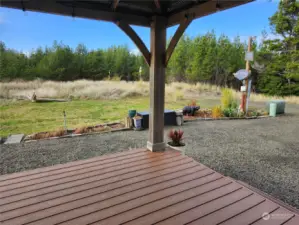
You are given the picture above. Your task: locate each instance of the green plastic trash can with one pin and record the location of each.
(280, 106)
(272, 110)
(132, 113)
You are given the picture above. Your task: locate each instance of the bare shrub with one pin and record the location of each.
(101, 128)
(58, 133)
(83, 130)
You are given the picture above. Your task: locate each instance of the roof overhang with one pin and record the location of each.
(134, 12)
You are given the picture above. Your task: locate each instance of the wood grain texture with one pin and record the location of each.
(133, 187)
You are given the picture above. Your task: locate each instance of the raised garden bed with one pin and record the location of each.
(194, 118)
(101, 128)
(206, 114)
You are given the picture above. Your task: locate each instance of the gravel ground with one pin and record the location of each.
(263, 153)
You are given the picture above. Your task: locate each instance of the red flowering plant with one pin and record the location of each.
(176, 137)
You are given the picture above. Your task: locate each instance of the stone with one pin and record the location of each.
(14, 139)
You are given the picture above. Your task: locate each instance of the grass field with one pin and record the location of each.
(94, 102)
(28, 117)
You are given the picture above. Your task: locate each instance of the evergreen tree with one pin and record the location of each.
(179, 61)
(281, 56)
(205, 58)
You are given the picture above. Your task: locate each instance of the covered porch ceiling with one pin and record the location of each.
(156, 14)
(135, 12)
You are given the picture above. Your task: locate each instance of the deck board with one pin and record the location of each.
(293, 221)
(230, 211)
(177, 169)
(74, 171)
(133, 187)
(51, 180)
(84, 179)
(171, 206)
(251, 215)
(95, 201)
(279, 216)
(59, 167)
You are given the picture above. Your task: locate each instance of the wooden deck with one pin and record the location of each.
(133, 187)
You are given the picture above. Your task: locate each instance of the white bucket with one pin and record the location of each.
(179, 120)
(137, 123)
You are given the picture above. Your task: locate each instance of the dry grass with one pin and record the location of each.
(262, 98)
(86, 89)
(90, 129)
(58, 133)
(82, 89)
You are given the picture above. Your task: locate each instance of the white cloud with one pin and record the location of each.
(135, 51)
(267, 1)
(259, 38)
(3, 18)
(272, 36)
(27, 53)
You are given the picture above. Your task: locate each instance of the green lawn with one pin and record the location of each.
(28, 117)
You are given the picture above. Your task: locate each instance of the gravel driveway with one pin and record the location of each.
(263, 153)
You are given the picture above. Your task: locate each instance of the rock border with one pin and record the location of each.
(227, 118)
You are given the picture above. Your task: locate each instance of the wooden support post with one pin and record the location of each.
(246, 80)
(157, 84)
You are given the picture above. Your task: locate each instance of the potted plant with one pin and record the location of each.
(176, 137)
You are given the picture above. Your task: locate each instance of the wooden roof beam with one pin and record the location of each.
(157, 3)
(54, 7)
(135, 18)
(115, 4)
(136, 39)
(176, 37)
(203, 9)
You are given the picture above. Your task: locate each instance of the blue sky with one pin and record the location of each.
(25, 31)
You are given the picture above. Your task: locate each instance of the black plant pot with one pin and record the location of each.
(180, 144)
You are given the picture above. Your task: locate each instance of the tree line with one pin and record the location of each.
(205, 58)
(62, 63)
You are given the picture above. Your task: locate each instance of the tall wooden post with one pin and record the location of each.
(157, 84)
(248, 69)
